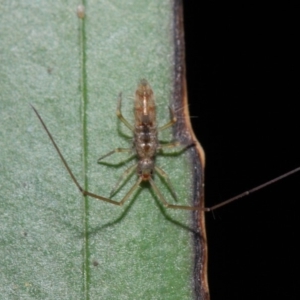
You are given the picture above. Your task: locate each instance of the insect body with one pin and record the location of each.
(145, 131)
(145, 146)
(146, 143)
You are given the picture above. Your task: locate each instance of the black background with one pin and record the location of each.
(244, 96)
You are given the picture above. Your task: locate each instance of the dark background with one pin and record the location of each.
(243, 88)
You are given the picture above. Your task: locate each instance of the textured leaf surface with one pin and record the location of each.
(56, 244)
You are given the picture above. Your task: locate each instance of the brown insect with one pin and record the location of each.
(145, 146)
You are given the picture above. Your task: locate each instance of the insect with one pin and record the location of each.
(145, 146)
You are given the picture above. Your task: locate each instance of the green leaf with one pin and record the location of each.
(56, 244)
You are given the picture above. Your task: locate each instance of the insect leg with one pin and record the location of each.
(246, 193)
(117, 150)
(171, 122)
(167, 179)
(169, 145)
(120, 116)
(124, 175)
(84, 192)
(165, 203)
(134, 187)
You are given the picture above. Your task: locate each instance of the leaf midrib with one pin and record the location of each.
(83, 108)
